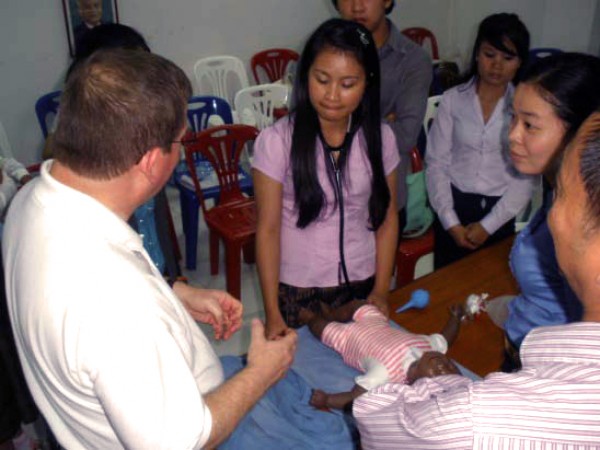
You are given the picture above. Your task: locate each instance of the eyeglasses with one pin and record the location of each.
(184, 141)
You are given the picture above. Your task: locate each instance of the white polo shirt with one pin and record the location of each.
(111, 356)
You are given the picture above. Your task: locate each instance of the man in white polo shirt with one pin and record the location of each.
(111, 353)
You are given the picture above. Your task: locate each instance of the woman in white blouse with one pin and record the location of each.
(471, 183)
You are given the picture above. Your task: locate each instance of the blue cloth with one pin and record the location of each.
(545, 298)
(146, 227)
(283, 419)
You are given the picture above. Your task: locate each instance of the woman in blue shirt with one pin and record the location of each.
(549, 105)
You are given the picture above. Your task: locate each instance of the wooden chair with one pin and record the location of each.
(202, 112)
(273, 62)
(420, 36)
(411, 249)
(233, 218)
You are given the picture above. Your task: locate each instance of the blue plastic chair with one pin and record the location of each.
(539, 53)
(45, 106)
(200, 109)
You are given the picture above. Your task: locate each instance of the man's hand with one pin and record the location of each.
(211, 306)
(459, 234)
(270, 358)
(268, 361)
(391, 117)
(476, 234)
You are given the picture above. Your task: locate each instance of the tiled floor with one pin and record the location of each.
(251, 294)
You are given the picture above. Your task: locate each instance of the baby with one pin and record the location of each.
(384, 353)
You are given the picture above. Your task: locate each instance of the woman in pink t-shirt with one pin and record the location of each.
(325, 184)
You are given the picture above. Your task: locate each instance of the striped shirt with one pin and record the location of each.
(552, 403)
(371, 338)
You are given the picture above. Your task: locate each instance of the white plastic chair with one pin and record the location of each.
(432, 105)
(5, 149)
(222, 76)
(254, 105)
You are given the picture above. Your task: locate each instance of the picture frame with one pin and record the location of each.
(82, 15)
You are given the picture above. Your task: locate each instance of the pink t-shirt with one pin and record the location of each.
(310, 256)
(370, 336)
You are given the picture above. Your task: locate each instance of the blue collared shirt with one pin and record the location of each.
(545, 298)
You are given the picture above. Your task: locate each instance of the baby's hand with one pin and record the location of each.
(457, 311)
(318, 399)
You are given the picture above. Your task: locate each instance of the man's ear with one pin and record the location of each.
(148, 165)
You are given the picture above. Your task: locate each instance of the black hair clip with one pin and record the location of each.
(363, 37)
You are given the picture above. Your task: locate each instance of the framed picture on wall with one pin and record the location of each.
(83, 15)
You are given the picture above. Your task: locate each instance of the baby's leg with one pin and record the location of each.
(343, 313)
(316, 322)
(340, 400)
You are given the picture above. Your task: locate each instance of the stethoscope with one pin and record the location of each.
(334, 166)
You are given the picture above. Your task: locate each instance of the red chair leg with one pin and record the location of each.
(409, 252)
(405, 269)
(214, 252)
(249, 251)
(233, 274)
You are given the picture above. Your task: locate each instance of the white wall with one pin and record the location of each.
(33, 57)
(34, 52)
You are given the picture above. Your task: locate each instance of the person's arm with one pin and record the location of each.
(433, 413)
(214, 307)
(16, 170)
(386, 240)
(339, 400)
(269, 199)
(268, 361)
(154, 374)
(452, 327)
(438, 160)
(512, 202)
(412, 91)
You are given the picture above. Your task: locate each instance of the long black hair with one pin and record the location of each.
(570, 83)
(495, 29)
(351, 38)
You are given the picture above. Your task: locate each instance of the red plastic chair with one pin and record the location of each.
(420, 35)
(273, 62)
(233, 218)
(411, 249)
